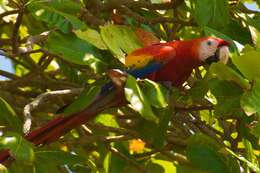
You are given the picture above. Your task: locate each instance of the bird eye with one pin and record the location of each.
(209, 43)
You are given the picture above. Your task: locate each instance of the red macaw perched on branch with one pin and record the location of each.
(171, 61)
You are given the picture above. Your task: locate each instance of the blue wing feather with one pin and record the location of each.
(137, 73)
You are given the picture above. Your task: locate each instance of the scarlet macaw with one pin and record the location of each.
(171, 61)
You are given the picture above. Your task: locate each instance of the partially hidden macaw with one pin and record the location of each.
(171, 61)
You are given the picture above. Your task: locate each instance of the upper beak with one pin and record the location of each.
(223, 43)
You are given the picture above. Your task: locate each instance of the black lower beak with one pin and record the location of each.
(213, 58)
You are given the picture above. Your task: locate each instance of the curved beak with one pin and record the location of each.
(221, 54)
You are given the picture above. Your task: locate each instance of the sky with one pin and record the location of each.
(6, 65)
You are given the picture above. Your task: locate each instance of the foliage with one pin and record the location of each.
(210, 125)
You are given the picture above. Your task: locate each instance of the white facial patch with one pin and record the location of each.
(207, 49)
(223, 54)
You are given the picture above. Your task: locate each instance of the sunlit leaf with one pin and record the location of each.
(138, 100)
(224, 72)
(20, 149)
(248, 64)
(156, 93)
(250, 100)
(91, 36)
(120, 40)
(106, 120)
(75, 50)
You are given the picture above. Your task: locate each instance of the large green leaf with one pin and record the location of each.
(138, 99)
(107, 120)
(224, 72)
(156, 93)
(250, 101)
(91, 36)
(20, 149)
(57, 14)
(212, 12)
(8, 117)
(228, 96)
(256, 130)
(120, 40)
(248, 64)
(75, 50)
(208, 155)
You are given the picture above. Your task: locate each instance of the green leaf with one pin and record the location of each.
(138, 100)
(59, 157)
(250, 101)
(155, 93)
(107, 120)
(256, 130)
(113, 163)
(228, 97)
(20, 149)
(224, 72)
(248, 64)
(208, 155)
(55, 15)
(75, 50)
(188, 169)
(212, 12)
(91, 36)
(84, 99)
(8, 117)
(120, 40)
(160, 166)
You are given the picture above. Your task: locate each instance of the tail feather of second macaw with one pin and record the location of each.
(63, 124)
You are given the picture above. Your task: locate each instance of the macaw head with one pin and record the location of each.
(212, 49)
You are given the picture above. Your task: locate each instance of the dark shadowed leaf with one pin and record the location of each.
(8, 116)
(59, 157)
(212, 12)
(208, 155)
(228, 95)
(55, 14)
